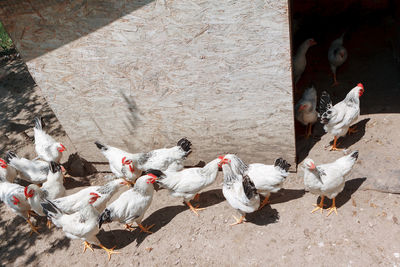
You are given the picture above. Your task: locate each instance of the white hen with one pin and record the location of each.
(33, 171)
(131, 205)
(327, 180)
(188, 182)
(266, 178)
(13, 196)
(46, 147)
(79, 225)
(337, 119)
(101, 195)
(54, 187)
(7, 172)
(305, 109)
(239, 191)
(337, 55)
(124, 164)
(299, 60)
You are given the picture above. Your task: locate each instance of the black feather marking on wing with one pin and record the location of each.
(39, 124)
(157, 173)
(100, 145)
(10, 155)
(55, 167)
(249, 188)
(105, 217)
(354, 154)
(144, 158)
(283, 164)
(185, 144)
(325, 104)
(49, 208)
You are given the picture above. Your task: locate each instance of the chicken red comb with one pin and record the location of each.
(152, 179)
(123, 160)
(221, 157)
(94, 194)
(26, 191)
(3, 164)
(360, 85)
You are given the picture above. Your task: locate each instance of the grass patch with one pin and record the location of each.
(5, 40)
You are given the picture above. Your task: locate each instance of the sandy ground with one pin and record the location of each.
(365, 232)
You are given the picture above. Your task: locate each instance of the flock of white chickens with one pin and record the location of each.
(82, 214)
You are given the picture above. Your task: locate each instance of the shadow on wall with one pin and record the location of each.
(20, 103)
(50, 24)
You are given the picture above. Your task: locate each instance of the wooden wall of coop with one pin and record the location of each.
(142, 74)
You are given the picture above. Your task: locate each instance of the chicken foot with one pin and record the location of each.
(194, 209)
(333, 147)
(332, 208)
(320, 206)
(352, 130)
(87, 245)
(33, 228)
(238, 221)
(109, 251)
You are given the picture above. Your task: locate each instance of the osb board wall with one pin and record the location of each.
(142, 74)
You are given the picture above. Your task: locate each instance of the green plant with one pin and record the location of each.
(5, 40)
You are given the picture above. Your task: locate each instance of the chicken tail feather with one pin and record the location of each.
(50, 209)
(185, 144)
(39, 123)
(100, 145)
(10, 155)
(283, 164)
(105, 217)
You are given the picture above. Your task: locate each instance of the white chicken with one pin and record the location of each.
(338, 119)
(124, 164)
(54, 187)
(328, 180)
(7, 172)
(33, 171)
(131, 205)
(35, 195)
(79, 225)
(239, 191)
(73, 203)
(305, 109)
(188, 182)
(337, 55)
(13, 196)
(299, 60)
(266, 178)
(46, 147)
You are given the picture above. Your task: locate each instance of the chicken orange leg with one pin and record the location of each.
(333, 147)
(332, 208)
(194, 209)
(265, 202)
(87, 245)
(320, 206)
(352, 130)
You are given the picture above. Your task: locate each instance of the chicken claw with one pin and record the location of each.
(352, 130)
(333, 147)
(238, 221)
(87, 245)
(33, 228)
(320, 206)
(145, 229)
(332, 208)
(194, 209)
(109, 251)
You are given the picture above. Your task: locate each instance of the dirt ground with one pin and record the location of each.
(365, 232)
